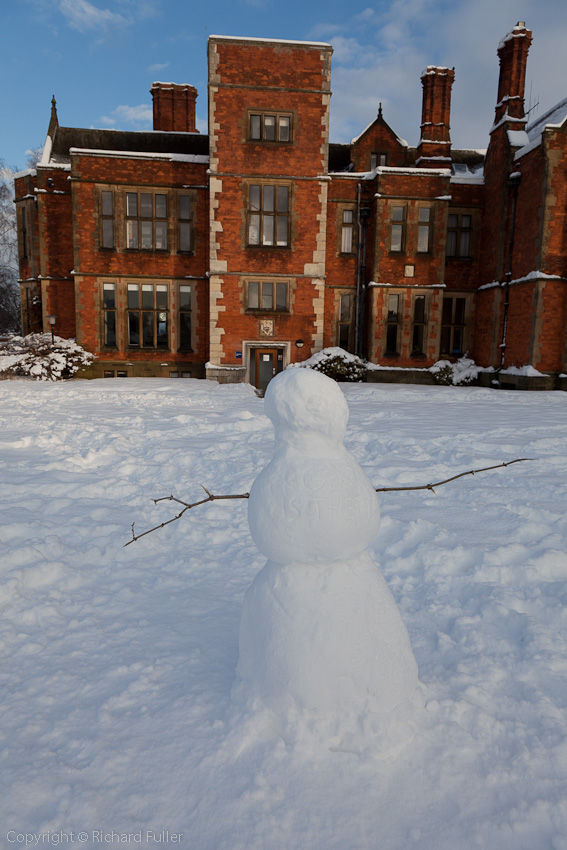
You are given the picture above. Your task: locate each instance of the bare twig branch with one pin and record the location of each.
(454, 478)
(212, 498)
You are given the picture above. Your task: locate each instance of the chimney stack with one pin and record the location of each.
(174, 107)
(513, 55)
(434, 149)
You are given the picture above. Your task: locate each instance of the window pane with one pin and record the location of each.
(146, 206)
(346, 240)
(445, 340)
(460, 311)
(254, 230)
(107, 233)
(132, 234)
(185, 330)
(148, 330)
(255, 126)
(393, 307)
(184, 236)
(148, 296)
(344, 315)
(254, 204)
(106, 203)
(133, 296)
(392, 339)
(161, 206)
(184, 297)
(343, 336)
(447, 316)
(457, 347)
(133, 328)
(267, 230)
(466, 221)
(396, 242)
(131, 204)
(161, 297)
(382, 159)
(453, 220)
(108, 296)
(282, 233)
(423, 238)
(161, 235)
(110, 329)
(281, 296)
(417, 341)
(269, 198)
(267, 296)
(464, 243)
(283, 198)
(284, 127)
(147, 234)
(419, 309)
(452, 243)
(373, 161)
(253, 295)
(424, 213)
(347, 216)
(162, 329)
(185, 207)
(397, 213)
(270, 127)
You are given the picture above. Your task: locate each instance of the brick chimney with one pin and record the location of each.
(434, 149)
(513, 55)
(174, 107)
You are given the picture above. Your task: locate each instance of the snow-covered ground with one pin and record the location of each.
(118, 663)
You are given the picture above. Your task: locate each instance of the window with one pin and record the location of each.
(267, 295)
(345, 305)
(106, 219)
(347, 232)
(146, 221)
(148, 315)
(393, 323)
(185, 318)
(398, 229)
(185, 224)
(377, 159)
(418, 335)
(459, 235)
(453, 326)
(423, 230)
(270, 127)
(268, 215)
(108, 373)
(109, 314)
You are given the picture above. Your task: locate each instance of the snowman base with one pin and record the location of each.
(324, 647)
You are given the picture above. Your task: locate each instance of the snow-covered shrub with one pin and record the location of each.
(463, 372)
(37, 356)
(337, 363)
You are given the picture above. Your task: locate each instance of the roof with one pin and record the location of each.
(149, 141)
(554, 117)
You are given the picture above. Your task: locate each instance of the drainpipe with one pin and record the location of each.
(514, 181)
(363, 213)
(357, 342)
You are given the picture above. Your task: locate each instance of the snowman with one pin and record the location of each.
(321, 638)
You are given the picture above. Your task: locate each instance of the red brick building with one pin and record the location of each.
(171, 253)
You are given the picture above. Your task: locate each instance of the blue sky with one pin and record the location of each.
(99, 58)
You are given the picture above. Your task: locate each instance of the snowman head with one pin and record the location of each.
(304, 403)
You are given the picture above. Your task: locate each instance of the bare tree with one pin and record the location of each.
(9, 290)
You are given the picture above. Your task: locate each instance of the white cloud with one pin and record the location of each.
(159, 66)
(137, 117)
(82, 15)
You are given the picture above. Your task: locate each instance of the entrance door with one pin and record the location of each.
(266, 365)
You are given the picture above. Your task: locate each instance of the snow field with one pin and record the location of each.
(118, 663)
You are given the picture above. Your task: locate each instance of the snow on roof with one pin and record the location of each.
(519, 31)
(360, 135)
(272, 40)
(27, 172)
(171, 157)
(553, 118)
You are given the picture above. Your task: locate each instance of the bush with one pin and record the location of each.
(463, 372)
(337, 364)
(37, 356)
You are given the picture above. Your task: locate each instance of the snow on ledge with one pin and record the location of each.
(171, 157)
(271, 40)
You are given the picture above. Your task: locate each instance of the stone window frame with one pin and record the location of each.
(378, 159)
(347, 233)
(107, 210)
(110, 314)
(158, 286)
(344, 312)
(419, 324)
(180, 311)
(182, 220)
(264, 213)
(258, 129)
(456, 323)
(254, 290)
(424, 228)
(392, 321)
